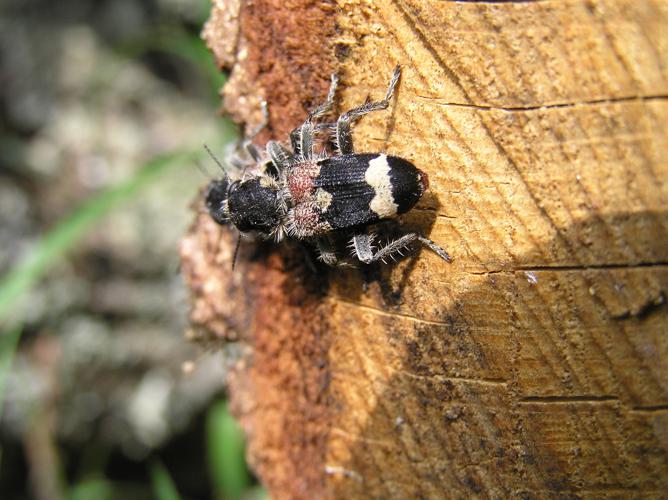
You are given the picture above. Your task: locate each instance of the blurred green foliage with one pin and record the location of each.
(163, 486)
(225, 447)
(8, 343)
(55, 243)
(230, 477)
(98, 489)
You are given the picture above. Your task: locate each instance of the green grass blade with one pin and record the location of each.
(163, 486)
(99, 489)
(225, 447)
(67, 233)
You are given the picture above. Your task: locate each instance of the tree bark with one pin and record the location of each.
(536, 364)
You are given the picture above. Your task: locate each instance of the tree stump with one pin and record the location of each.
(536, 364)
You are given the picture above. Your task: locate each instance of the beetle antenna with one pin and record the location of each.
(236, 252)
(215, 159)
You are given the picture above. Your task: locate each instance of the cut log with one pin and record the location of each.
(536, 363)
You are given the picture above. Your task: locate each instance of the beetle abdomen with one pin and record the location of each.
(366, 188)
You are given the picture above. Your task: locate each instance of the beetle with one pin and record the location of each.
(295, 192)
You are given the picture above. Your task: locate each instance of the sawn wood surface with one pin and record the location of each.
(536, 363)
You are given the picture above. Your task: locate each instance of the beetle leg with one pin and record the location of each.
(253, 151)
(324, 108)
(294, 140)
(240, 163)
(326, 251)
(343, 138)
(302, 138)
(265, 120)
(362, 247)
(280, 157)
(365, 253)
(247, 144)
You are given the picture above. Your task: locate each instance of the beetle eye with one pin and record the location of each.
(216, 196)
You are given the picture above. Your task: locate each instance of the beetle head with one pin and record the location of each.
(253, 206)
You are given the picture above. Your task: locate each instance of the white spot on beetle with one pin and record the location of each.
(378, 177)
(323, 199)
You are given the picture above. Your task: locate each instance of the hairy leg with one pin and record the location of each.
(280, 156)
(343, 138)
(326, 251)
(363, 247)
(302, 138)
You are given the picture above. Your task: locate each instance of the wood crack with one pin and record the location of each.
(555, 105)
(651, 408)
(491, 381)
(493, 2)
(568, 399)
(381, 312)
(577, 267)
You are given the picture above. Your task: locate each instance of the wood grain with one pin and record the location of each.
(536, 364)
